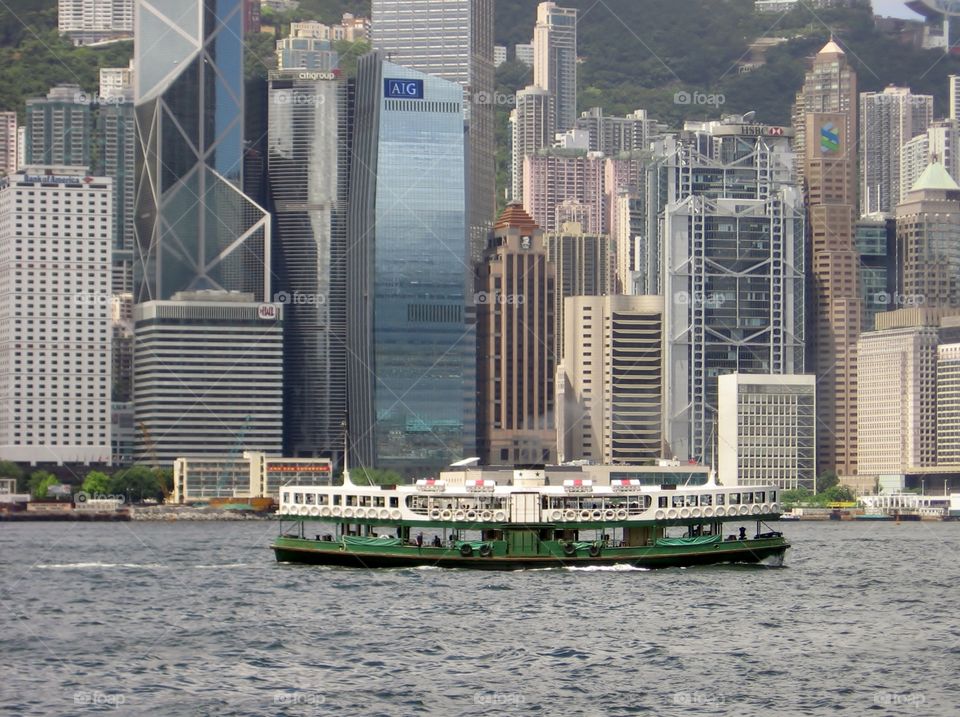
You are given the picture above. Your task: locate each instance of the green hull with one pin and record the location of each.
(549, 555)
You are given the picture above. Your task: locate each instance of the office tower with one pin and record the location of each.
(88, 22)
(628, 232)
(59, 128)
(829, 169)
(584, 267)
(207, 377)
(897, 393)
(116, 130)
(928, 240)
(875, 237)
(452, 39)
(610, 383)
(516, 365)
(195, 227)
(532, 127)
(554, 176)
(555, 59)
(731, 261)
(411, 365)
(888, 120)
(309, 144)
(940, 143)
(303, 51)
(55, 234)
(524, 53)
(948, 404)
(8, 143)
(768, 430)
(121, 326)
(613, 135)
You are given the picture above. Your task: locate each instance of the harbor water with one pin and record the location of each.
(198, 619)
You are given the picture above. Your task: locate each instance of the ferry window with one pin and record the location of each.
(691, 501)
(351, 499)
(310, 499)
(286, 496)
(773, 496)
(734, 499)
(378, 501)
(298, 497)
(678, 501)
(706, 500)
(321, 500)
(662, 501)
(747, 498)
(721, 498)
(365, 501)
(336, 500)
(759, 496)
(394, 502)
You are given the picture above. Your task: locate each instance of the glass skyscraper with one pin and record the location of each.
(411, 345)
(309, 168)
(195, 227)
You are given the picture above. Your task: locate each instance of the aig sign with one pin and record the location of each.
(403, 89)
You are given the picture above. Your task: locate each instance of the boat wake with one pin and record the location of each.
(619, 568)
(86, 566)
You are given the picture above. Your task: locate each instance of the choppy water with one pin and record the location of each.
(197, 619)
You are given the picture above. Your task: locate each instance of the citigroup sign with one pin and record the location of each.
(947, 7)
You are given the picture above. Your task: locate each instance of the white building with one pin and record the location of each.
(8, 143)
(116, 83)
(252, 475)
(767, 430)
(555, 59)
(948, 404)
(88, 22)
(499, 55)
(940, 143)
(524, 53)
(532, 126)
(56, 225)
(208, 376)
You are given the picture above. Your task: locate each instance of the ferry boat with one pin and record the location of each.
(527, 523)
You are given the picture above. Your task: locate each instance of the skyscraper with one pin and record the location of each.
(195, 227)
(59, 128)
(8, 143)
(533, 124)
(830, 132)
(554, 176)
(412, 343)
(309, 144)
(516, 364)
(888, 120)
(555, 59)
(613, 135)
(452, 39)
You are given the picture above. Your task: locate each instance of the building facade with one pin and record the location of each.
(610, 382)
(195, 227)
(532, 127)
(309, 144)
(59, 128)
(9, 159)
(411, 365)
(208, 376)
(767, 430)
(89, 22)
(516, 364)
(555, 59)
(453, 40)
(556, 176)
(55, 378)
(948, 404)
(875, 237)
(306, 53)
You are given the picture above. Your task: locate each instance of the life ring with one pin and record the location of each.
(569, 549)
(621, 514)
(721, 511)
(325, 511)
(486, 515)
(684, 512)
(446, 515)
(766, 508)
(744, 509)
(696, 513)
(395, 514)
(314, 511)
(570, 515)
(598, 515)
(672, 513)
(486, 551)
(708, 512)
(460, 515)
(466, 550)
(660, 515)
(584, 515)
(471, 515)
(435, 513)
(335, 511)
(348, 512)
(756, 510)
(774, 507)
(609, 514)
(500, 516)
(384, 514)
(594, 551)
